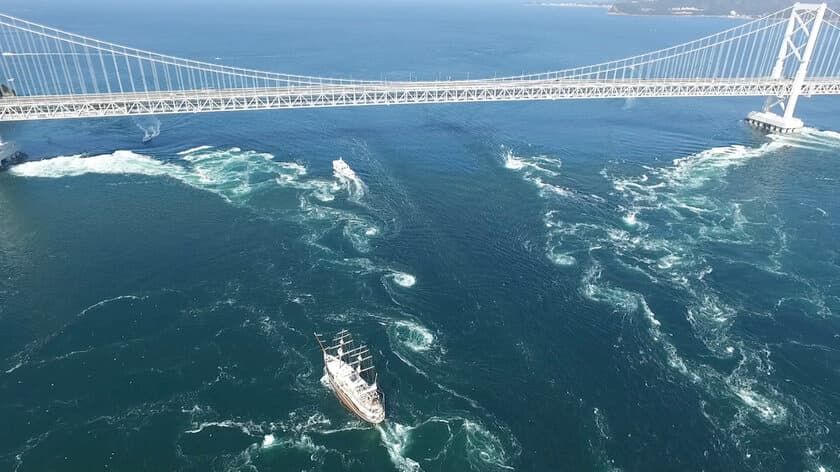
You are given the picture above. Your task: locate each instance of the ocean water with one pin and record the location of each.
(592, 285)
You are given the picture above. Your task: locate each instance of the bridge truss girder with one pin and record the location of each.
(86, 106)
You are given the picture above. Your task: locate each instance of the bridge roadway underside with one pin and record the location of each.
(389, 93)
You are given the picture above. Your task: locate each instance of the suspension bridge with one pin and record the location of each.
(47, 73)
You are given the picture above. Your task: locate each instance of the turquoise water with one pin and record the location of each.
(591, 285)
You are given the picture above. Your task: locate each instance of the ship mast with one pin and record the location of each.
(344, 348)
(320, 342)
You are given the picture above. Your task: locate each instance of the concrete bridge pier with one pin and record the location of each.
(774, 123)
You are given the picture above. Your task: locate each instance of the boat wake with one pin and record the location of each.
(395, 437)
(349, 180)
(311, 438)
(239, 176)
(467, 445)
(149, 126)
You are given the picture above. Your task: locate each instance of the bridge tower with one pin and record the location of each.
(795, 53)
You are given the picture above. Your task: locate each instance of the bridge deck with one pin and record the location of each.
(389, 93)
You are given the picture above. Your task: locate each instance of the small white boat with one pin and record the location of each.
(342, 169)
(349, 370)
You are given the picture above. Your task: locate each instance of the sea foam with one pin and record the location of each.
(236, 176)
(120, 162)
(413, 335)
(194, 150)
(403, 279)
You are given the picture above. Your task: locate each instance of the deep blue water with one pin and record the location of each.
(592, 285)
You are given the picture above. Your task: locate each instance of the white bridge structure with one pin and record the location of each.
(47, 73)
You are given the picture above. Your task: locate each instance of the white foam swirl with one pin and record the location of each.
(403, 279)
(413, 335)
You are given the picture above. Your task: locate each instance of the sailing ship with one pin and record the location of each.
(349, 370)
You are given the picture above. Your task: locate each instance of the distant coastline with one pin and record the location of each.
(732, 17)
(570, 4)
(612, 11)
(731, 9)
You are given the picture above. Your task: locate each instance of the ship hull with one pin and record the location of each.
(348, 402)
